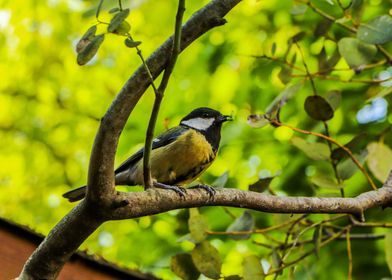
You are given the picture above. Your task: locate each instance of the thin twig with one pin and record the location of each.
(349, 255)
(347, 150)
(159, 95)
(311, 252)
(307, 69)
(262, 230)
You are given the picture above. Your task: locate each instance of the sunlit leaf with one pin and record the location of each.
(318, 108)
(117, 20)
(252, 269)
(207, 260)
(356, 52)
(221, 181)
(314, 150)
(90, 50)
(379, 160)
(388, 250)
(182, 266)
(245, 222)
(376, 31)
(197, 225)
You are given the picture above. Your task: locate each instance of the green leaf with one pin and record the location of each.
(182, 266)
(252, 269)
(273, 48)
(131, 44)
(257, 121)
(86, 38)
(123, 28)
(261, 185)
(355, 145)
(285, 74)
(90, 50)
(379, 160)
(232, 277)
(281, 99)
(276, 259)
(322, 27)
(298, 37)
(388, 250)
(197, 225)
(117, 20)
(245, 222)
(348, 168)
(114, 10)
(318, 108)
(221, 181)
(207, 260)
(376, 31)
(325, 181)
(356, 52)
(314, 150)
(334, 98)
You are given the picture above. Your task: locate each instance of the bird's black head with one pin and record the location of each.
(208, 122)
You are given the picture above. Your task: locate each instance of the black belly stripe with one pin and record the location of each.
(193, 172)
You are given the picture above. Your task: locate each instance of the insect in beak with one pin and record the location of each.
(224, 118)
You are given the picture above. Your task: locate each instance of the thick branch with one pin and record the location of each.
(157, 201)
(102, 158)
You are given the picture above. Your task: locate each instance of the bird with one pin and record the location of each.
(178, 156)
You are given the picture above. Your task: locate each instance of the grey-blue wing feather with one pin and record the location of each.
(162, 140)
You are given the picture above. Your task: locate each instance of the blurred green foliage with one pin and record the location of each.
(50, 109)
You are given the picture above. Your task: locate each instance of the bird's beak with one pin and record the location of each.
(224, 118)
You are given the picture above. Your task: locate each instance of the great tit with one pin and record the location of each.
(178, 156)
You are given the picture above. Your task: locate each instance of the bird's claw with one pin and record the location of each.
(210, 190)
(179, 190)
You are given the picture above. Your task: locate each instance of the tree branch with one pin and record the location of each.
(156, 201)
(76, 226)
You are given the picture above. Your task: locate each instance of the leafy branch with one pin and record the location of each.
(333, 141)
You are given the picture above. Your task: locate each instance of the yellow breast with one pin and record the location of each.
(181, 161)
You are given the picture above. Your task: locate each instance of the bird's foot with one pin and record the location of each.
(210, 190)
(181, 191)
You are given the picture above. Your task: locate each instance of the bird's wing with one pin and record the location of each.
(162, 140)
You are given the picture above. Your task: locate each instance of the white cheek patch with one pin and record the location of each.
(199, 123)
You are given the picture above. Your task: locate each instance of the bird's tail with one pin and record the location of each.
(76, 194)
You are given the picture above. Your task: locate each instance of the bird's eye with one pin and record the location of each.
(205, 115)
